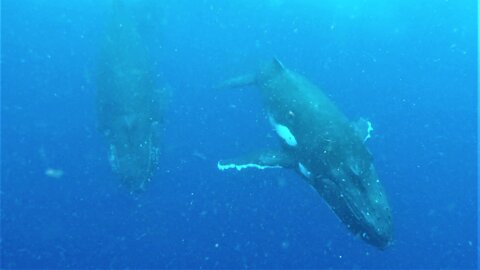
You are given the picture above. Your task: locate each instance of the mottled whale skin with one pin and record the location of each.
(325, 148)
(129, 106)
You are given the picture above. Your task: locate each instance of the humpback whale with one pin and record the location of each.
(327, 150)
(129, 104)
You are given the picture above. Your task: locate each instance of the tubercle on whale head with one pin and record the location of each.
(359, 201)
(373, 218)
(381, 237)
(134, 163)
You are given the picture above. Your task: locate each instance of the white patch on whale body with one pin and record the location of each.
(369, 131)
(284, 132)
(304, 170)
(223, 167)
(363, 128)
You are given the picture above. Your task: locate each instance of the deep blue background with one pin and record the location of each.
(408, 66)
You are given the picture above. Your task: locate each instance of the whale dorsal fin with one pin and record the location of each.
(270, 70)
(277, 64)
(260, 160)
(274, 67)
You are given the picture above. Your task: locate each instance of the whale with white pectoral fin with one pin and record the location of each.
(325, 148)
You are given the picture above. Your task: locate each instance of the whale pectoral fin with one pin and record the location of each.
(260, 160)
(363, 128)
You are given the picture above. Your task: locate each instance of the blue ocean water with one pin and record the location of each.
(408, 66)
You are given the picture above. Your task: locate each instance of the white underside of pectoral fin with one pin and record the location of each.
(304, 170)
(239, 167)
(283, 132)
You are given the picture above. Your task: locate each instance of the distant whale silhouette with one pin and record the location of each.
(129, 105)
(325, 148)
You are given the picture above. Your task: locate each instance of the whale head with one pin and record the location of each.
(354, 193)
(133, 153)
